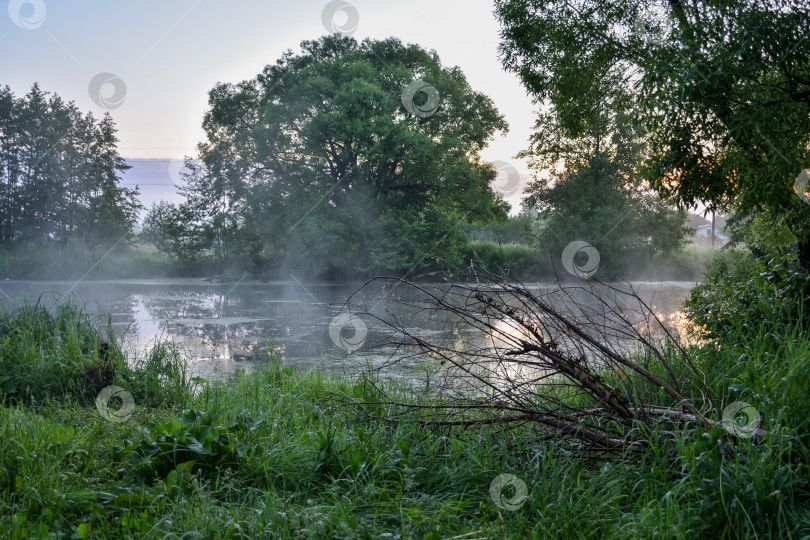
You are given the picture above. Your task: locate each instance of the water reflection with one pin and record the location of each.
(225, 327)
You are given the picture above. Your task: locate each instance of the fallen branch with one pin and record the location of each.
(569, 359)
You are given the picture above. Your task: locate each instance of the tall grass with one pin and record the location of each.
(47, 352)
(278, 454)
(54, 349)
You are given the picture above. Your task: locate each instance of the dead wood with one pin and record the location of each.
(591, 363)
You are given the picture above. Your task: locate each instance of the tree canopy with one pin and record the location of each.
(597, 199)
(722, 89)
(59, 174)
(346, 157)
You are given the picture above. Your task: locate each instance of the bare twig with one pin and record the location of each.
(571, 360)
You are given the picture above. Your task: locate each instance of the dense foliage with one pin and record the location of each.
(723, 89)
(762, 233)
(325, 162)
(59, 174)
(742, 296)
(515, 230)
(630, 229)
(595, 200)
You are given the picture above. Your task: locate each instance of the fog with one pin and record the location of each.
(373, 146)
(224, 327)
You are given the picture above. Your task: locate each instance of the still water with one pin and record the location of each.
(227, 326)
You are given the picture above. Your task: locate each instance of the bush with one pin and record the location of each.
(75, 259)
(742, 295)
(683, 264)
(512, 260)
(749, 313)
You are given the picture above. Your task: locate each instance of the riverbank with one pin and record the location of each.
(125, 262)
(223, 327)
(282, 453)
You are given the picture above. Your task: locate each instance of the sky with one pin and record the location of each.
(150, 64)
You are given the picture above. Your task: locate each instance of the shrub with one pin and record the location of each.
(196, 439)
(741, 295)
(512, 260)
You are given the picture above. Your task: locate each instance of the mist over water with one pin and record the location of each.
(226, 327)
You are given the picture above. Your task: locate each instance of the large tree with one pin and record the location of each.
(596, 196)
(723, 87)
(354, 156)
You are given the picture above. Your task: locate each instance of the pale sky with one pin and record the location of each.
(169, 54)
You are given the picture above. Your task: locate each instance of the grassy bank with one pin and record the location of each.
(527, 263)
(279, 453)
(75, 260)
(518, 261)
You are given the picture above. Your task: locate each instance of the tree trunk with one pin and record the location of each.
(804, 254)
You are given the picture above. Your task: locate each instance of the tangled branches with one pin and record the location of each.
(593, 366)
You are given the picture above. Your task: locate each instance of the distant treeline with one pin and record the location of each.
(355, 159)
(341, 162)
(59, 174)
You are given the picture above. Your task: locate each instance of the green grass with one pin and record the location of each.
(76, 260)
(525, 262)
(279, 454)
(515, 260)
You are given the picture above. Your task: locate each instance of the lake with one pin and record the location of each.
(226, 327)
